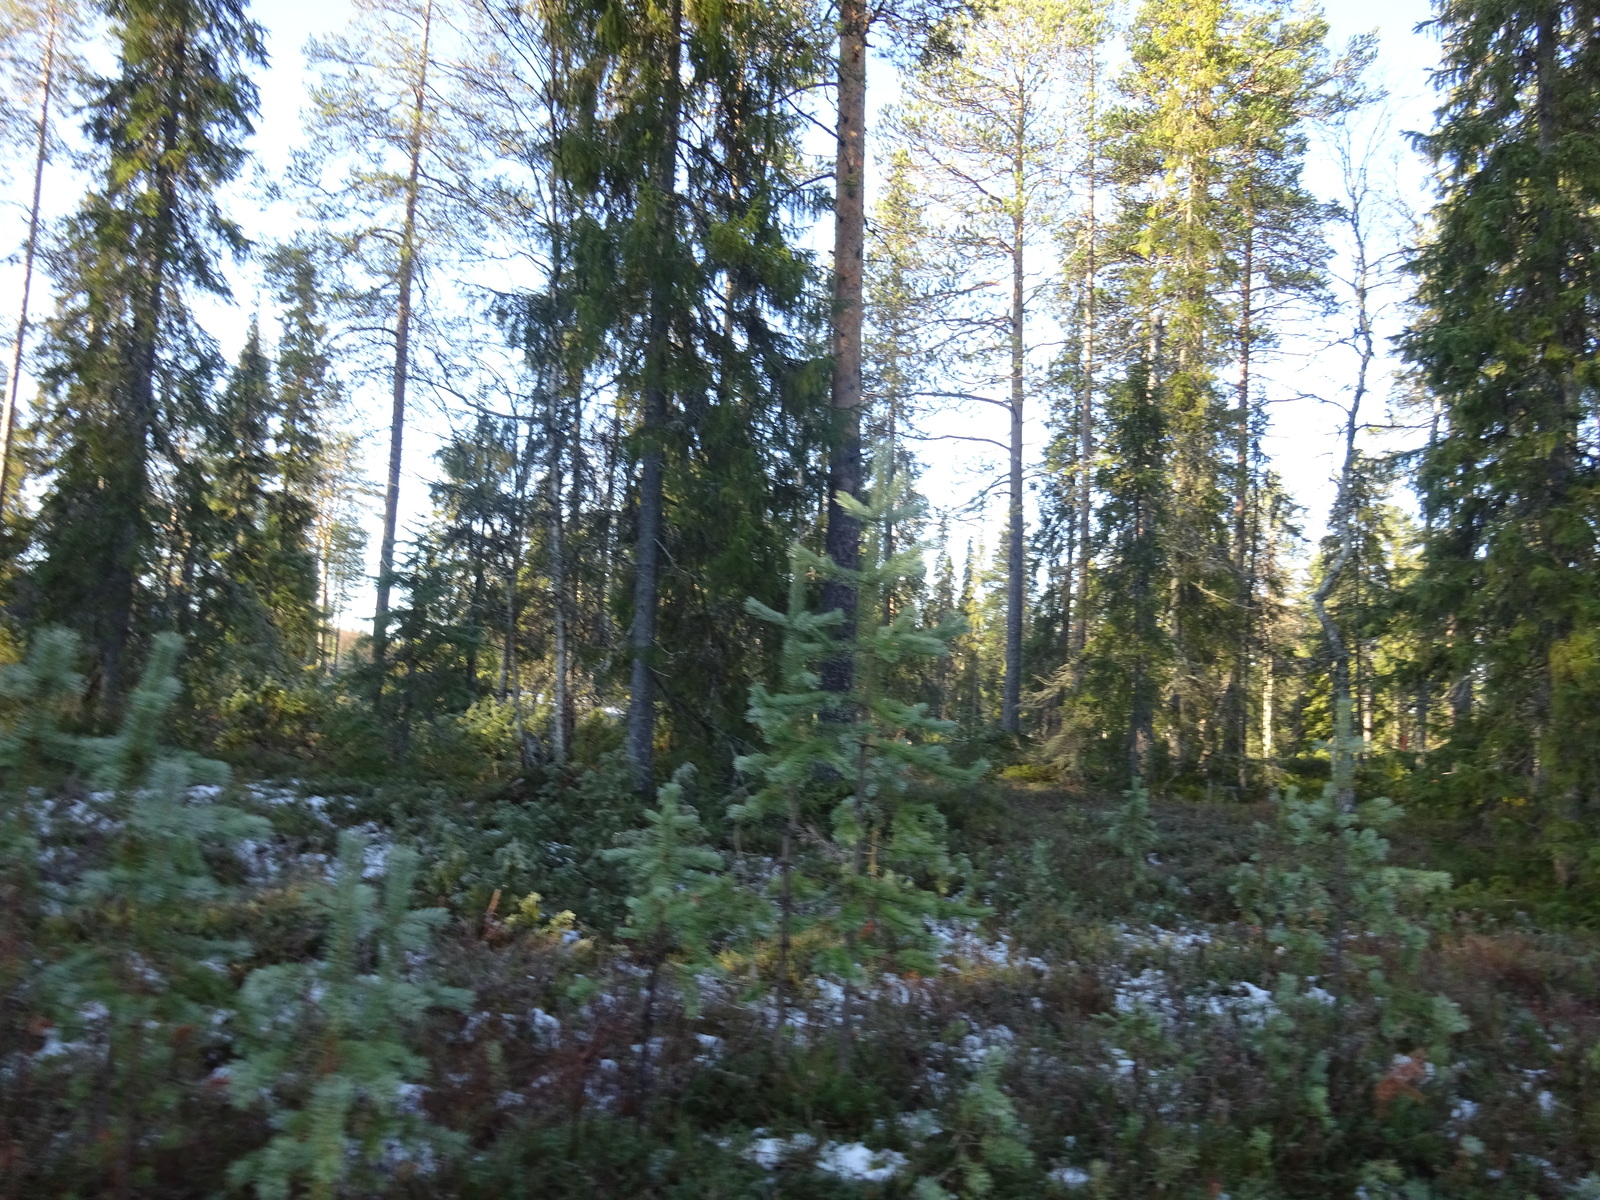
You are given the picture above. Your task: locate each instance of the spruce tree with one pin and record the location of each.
(684, 168)
(1506, 341)
(329, 1046)
(308, 431)
(1129, 658)
(679, 901)
(883, 873)
(142, 970)
(127, 368)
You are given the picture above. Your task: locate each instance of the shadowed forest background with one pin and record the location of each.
(857, 711)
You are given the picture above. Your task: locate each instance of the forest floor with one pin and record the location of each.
(1200, 999)
(1160, 1009)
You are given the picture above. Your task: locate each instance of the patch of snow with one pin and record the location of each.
(1071, 1177)
(768, 1152)
(921, 1125)
(408, 1097)
(545, 1027)
(852, 1160)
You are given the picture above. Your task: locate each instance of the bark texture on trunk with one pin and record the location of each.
(402, 365)
(652, 467)
(29, 253)
(843, 544)
(1078, 639)
(1016, 563)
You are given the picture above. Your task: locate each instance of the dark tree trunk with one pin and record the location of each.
(652, 467)
(843, 544)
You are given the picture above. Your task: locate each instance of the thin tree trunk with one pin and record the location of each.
(1366, 351)
(647, 555)
(843, 543)
(605, 634)
(1424, 683)
(1238, 714)
(785, 922)
(1080, 608)
(1011, 702)
(558, 591)
(402, 365)
(41, 153)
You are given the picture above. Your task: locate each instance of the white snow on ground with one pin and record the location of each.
(852, 1160)
(1072, 1177)
(844, 1160)
(768, 1152)
(921, 1125)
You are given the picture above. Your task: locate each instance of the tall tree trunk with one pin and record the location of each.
(41, 153)
(652, 468)
(843, 543)
(1085, 485)
(558, 586)
(1366, 354)
(1238, 708)
(402, 364)
(1427, 638)
(1011, 702)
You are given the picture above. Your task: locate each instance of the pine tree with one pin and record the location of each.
(386, 168)
(144, 969)
(986, 1135)
(678, 902)
(127, 369)
(1209, 159)
(37, 58)
(986, 129)
(329, 1049)
(1505, 340)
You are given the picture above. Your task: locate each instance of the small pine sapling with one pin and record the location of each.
(679, 900)
(1332, 907)
(986, 1136)
(885, 845)
(327, 1046)
(146, 974)
(38, 694)
(1132, 835)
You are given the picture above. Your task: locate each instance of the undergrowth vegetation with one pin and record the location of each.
(215, 988)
